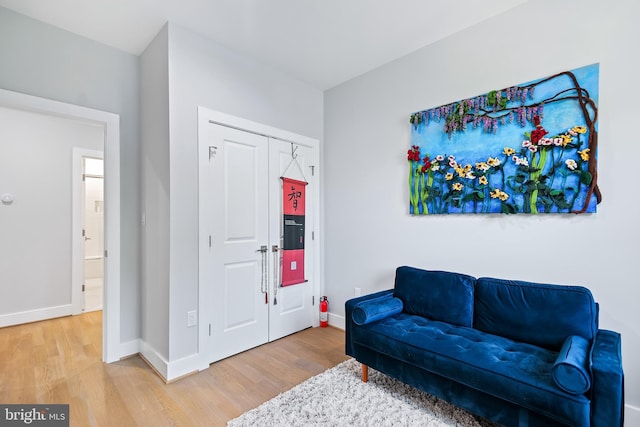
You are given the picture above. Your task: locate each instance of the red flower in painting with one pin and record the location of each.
(539, 132)
(537, 135)
(414, 154)
(536, 120)
(427, 164)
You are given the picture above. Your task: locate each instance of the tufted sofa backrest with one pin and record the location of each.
(535, 313)
(436, 295)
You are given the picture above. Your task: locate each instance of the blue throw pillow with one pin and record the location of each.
(375, 309)
(570, 369)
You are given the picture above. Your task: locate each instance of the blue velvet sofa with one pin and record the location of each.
(517, 353)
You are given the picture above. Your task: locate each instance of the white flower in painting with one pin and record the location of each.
(545, 141)
(571, 164)
(482, 166)
(493, 161)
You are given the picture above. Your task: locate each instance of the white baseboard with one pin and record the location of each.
(170, 371)
(337, 321)
(183, 367)
(129, 348)
(35, 315)
(154, 359)
(631, 416)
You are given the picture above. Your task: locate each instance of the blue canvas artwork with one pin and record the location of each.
(529, 148)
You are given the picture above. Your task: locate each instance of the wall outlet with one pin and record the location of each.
(357, 292)
(192, 318)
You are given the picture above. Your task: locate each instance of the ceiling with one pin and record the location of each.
(321, 42)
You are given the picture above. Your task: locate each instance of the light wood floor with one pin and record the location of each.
(59, 361)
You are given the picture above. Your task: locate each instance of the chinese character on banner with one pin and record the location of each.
(293, 209)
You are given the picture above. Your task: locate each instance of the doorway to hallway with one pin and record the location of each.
(42, 304)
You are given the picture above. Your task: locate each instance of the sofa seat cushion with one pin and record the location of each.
(517, 372)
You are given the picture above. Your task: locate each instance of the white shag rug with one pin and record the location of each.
(338, 397)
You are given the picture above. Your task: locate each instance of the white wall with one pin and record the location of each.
(154, 96)
(36, 169)
(44, 61)
(200, 73)
(367, 134)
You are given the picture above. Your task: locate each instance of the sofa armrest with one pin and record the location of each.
(607, 392)
(350, 305)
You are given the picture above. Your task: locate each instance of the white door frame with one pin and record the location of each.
(206, 293)
(111, 124)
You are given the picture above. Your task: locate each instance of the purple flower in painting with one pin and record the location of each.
(522, 116)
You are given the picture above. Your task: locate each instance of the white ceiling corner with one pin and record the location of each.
(323, 43)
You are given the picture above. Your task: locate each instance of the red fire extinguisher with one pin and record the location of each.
(324, 312)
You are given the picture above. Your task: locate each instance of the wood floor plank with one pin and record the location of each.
(59, 361)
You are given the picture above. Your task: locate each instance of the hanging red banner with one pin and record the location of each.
(293, 209)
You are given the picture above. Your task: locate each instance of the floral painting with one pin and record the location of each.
(529, 148)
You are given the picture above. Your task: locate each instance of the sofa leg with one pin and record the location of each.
(365, 373)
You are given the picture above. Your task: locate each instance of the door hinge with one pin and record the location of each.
(82, 288)
(313, 235)
(313, 170)
(83, 233)
(209, 329)
(313, 300)
(106, 253)
(209, 240)
(212, 151)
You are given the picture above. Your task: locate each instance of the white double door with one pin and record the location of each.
(240, 233)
